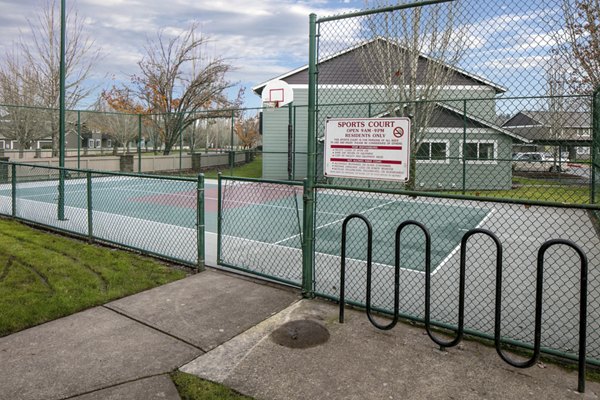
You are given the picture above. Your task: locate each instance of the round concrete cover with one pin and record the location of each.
(300, 334)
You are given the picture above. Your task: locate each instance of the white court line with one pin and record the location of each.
(439, 266)
(337, 221)
(141, 219)
(404, 199)
(255, 204)
(457, 248)
(122, 189)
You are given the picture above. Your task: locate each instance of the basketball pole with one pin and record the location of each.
(290, 142)
(61, 116)
(308, 246)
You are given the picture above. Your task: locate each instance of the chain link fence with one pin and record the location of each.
(521, 228)
(176, 143)
(160, 216)
(502, 139)
(260, 228)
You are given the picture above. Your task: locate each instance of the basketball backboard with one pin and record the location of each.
(277, 93)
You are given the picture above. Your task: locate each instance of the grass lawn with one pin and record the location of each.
(191, 387)
(525, 188)
(557, 194)
(45, 276)
(250, 170)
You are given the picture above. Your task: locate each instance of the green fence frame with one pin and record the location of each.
(199, 221)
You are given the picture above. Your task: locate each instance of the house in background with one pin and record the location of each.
(87, 138)
(440, 165)
(554, 132)
(90, 138)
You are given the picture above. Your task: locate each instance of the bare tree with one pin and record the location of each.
(176, 78)
(579, 42)
(563, 106)
(411, 57)
(40, 51)
(120, 127)
(21, 121)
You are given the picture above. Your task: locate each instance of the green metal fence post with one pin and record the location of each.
(294, 145)
(200, 222)
(464, 148)
(13, 184)
(139, 143)
(595, 143)
(231, 151)
(61, 113)
(290, 140)
(219, 216)
(180, 142)
(78, 139)
(89, 206)
(309, 192)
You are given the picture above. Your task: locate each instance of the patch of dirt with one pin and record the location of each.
(300, 334)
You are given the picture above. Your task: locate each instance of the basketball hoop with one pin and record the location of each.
(271, 104)
(277, 93)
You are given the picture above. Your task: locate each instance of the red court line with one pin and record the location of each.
(234, 197)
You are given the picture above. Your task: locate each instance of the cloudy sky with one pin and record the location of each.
(265, 38)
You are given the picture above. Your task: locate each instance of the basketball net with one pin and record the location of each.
(271, 104)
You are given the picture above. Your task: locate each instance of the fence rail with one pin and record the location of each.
(160, 216)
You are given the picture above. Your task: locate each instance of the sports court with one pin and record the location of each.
(261, 233)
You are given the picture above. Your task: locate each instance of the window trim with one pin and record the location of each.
(479, 141)
(429, 160)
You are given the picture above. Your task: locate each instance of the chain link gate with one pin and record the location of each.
(512, 153)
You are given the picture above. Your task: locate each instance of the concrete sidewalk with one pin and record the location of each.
(259, 339)
(123, 349)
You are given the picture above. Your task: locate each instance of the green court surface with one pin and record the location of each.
(163, 201)
(447, 223)
(247, 208)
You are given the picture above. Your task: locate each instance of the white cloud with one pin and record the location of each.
(265, 38)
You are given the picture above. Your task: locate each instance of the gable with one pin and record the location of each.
(444, 118)
(521, 119)
(351, 62)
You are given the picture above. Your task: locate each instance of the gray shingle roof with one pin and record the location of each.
(350, 61)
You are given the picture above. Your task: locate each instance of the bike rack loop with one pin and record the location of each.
(461, 292)
(498, 300)
(343, 257)
(369, 275)
(538, 310)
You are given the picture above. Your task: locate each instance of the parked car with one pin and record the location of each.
(539, 161)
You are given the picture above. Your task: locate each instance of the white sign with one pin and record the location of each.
(368, 148)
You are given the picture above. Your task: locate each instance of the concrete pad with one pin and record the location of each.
(207, 309)
(87, 351)
(156, 387)
(361, 362)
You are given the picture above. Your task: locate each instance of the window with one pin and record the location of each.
(484, 151)
(1, 144)
(433, 152)
(98, 143)
(90, 143)
(108, 143)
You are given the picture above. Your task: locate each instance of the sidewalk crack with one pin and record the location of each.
(139, 321)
